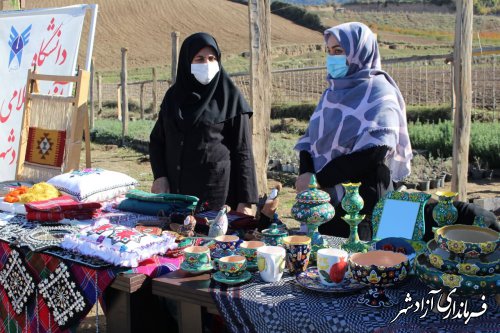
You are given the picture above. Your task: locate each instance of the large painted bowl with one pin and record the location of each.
(466, 285)
(378, 269)
(467, 241)
(448, 262)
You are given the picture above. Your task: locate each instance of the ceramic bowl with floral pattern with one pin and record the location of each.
(378, 269)
(466, 285)
(467, 241)
(449, 262)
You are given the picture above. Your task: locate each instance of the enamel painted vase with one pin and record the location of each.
(445, 213)
(313, 208)
(352, 202)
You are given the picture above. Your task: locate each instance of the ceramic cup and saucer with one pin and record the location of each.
(196, 269)
(249, 250)
(196, 260)
(232, 270)
(220, 277)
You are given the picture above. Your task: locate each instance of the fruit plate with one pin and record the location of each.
(310, 280)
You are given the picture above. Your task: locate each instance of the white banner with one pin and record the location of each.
(45, 39)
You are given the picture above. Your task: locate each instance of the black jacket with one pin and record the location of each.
(211, 161)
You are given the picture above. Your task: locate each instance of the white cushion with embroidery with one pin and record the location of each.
(94, 184)
(118, 245)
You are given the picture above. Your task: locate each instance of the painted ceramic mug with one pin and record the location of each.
(298, 250)
(197, 256)
(232, 266)
(332, 266)
(271, 262)
(249, 250)
(226, 245)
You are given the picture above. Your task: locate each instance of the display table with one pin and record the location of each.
(191, 292)
(285, 306)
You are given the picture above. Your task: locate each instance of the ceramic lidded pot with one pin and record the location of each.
(313, 208)
(274, 235)
(467, 241)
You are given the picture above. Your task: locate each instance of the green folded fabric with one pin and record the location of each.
(156, 208)
(161, 197)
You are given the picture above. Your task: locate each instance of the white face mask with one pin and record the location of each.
(205, 72)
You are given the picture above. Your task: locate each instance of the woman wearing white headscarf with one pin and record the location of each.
(358, 132)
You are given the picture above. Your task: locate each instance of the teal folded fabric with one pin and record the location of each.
(156, 208)
(161, 197)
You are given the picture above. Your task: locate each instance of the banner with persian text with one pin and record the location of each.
(45, 39)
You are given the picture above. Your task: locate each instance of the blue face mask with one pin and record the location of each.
(336, 65)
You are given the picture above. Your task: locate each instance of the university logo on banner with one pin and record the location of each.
(47, 39)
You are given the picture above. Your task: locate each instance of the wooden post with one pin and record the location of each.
(141, 100)
(99, 93)
(124, 95)
(259, 12)
(175, 53)
(462, 60)
(453, 96)
(155, 91)
(118, 102)
(91, 93)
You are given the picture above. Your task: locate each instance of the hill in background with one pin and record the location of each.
(144, 27)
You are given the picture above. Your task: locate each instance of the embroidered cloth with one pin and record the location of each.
(91, 276)
(119, 245)
(45, 146)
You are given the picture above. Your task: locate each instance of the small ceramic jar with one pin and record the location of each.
(274, 235)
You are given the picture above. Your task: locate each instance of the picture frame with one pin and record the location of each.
(400, 214)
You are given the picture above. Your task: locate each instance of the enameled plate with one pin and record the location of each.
(444, 261)
(220, 277)
(310, 280)
(202, 269)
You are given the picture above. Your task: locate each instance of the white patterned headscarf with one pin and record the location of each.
(364, 109)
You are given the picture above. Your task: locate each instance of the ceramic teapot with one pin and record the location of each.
(274, 235)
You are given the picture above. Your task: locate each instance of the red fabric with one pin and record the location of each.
(61, 204)
(54, 216)
(63, 207)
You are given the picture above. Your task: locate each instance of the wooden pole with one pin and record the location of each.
(124, 95)
(175, 53)
(141, 100)
(99, 93)
(462, 61)
(118, 102)
(91, 93)
(453, 96)
(155, 91)
(259, 12)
